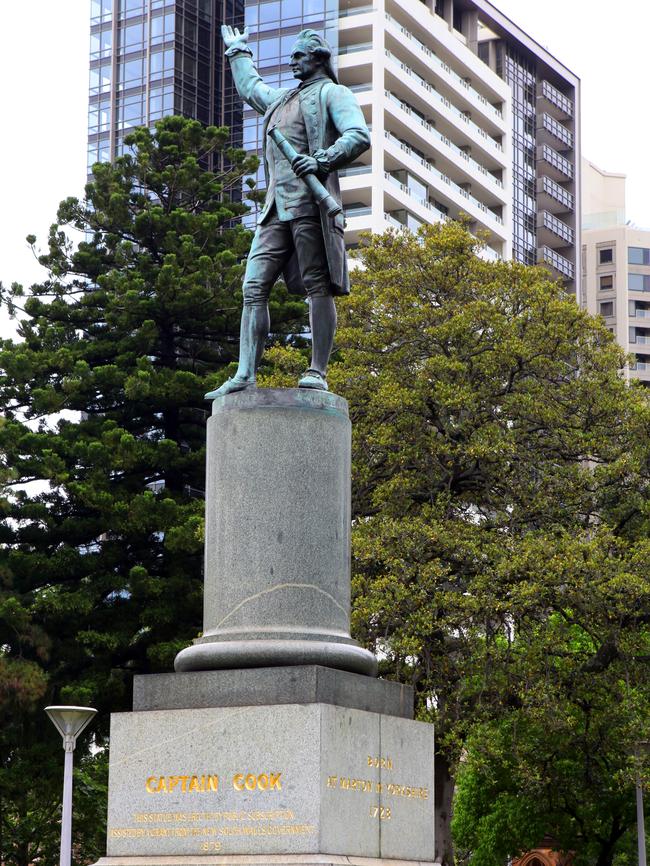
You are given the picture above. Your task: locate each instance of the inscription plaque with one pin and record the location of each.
(300, 779)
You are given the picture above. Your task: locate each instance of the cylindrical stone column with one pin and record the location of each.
(277, 546)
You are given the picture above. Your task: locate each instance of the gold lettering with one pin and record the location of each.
(262, 781)
(275, 781)
(380, 762)
(331, 781)
(186, 785)
(251, 782)
(238, 782)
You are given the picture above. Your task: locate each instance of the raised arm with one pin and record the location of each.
(247, 79)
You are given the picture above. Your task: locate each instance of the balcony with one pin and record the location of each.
(443, 177)
(356, 46)
(556, 166)
(356, 210)
(550, 229)
(441, 101)
(438, 64)
(353, 170)
(562, 266)
(558, 104)
(549, 127)
(433, 132)
(436, 215)
(553, 197)
(355, 10)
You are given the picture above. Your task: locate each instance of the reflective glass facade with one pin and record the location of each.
(150, 58)
(520, 75)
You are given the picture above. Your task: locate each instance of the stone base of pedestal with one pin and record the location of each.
(302, 684)
(269, 781)
(261, 860)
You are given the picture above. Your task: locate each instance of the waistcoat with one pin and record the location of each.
(291, 195)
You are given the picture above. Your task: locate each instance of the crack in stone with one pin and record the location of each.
(273, 589)
(184, 736)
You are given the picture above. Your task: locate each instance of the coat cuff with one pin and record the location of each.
(328, 160)
(239, 48)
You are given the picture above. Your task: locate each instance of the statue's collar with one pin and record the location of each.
(317, 78)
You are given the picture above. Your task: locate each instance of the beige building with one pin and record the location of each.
(616, 266)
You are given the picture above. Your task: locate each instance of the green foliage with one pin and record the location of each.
(498, 457)
(102, 448)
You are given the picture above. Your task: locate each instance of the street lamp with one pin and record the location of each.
(69, 722)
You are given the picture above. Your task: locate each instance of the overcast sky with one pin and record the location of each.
(44, 81)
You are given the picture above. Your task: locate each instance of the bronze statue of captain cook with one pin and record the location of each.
(296, 236)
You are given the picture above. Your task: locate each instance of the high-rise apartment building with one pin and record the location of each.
(468, 114)
(616, 267)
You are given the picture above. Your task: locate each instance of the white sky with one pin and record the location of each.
(44, 75)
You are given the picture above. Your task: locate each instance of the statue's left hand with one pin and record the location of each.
(304, 164)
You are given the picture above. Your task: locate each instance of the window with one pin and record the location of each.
(638, 282)
(605, 255)
(101, 42)
(607, 308)
(131, 35)
(458, 19)
(268, 49)
(607, 282)
(131, 70)
(270, 13)
(638, 255)
(291, 9)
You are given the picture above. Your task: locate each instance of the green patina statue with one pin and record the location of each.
(320, 126)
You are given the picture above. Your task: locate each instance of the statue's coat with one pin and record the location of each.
(336, 131)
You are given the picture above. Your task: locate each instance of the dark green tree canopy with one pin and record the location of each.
(102, 442)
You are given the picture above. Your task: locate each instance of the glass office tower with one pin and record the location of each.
(151, 58)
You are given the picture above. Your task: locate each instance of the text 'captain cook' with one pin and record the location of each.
(296, 237)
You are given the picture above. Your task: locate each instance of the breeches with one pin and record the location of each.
(274, 244)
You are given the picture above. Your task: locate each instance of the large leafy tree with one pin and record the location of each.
(102, 442)
(565, 757)
(490, 420)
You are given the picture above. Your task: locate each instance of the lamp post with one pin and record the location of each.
(69, 722)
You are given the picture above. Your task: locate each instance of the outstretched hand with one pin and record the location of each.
(231, 35)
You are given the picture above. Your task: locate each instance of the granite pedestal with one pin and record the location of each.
(292, 779)
(277, 538)
(273, 743)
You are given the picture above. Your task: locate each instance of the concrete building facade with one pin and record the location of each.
(616, 267)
